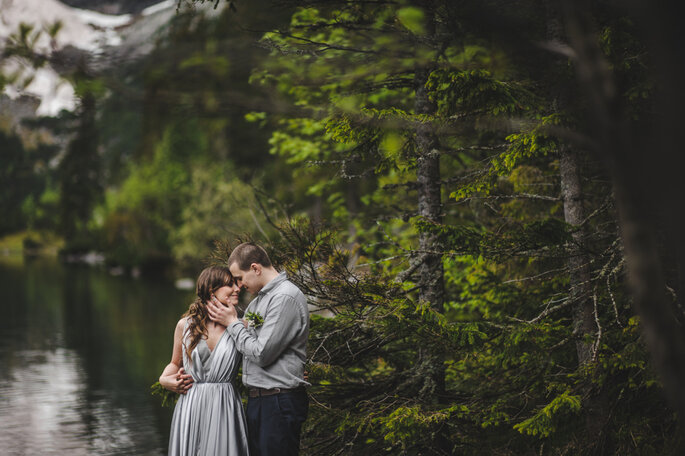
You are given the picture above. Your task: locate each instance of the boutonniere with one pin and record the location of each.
(254, 319)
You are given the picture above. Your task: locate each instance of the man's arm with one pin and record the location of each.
(282, 322)
(224, 315)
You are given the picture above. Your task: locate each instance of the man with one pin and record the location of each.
(273, 343)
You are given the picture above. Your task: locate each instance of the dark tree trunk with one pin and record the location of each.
(431, 364)
(80, 174)
(580, 292)
(584, 325)
(429, 196)
(580, 287)
(431, 281)
(431, 367)
(642, 170)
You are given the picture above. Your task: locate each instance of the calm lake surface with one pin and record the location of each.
(79, 350)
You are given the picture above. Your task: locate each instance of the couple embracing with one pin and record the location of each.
(208, 343)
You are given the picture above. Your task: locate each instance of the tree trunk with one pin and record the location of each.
(639, 167)
(80, 174)
(580, 287)
(431, 281)
(584, 325)
(430, 368)
(429, 196)
(580, 292)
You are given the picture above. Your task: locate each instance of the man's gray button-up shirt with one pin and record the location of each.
(274, 354)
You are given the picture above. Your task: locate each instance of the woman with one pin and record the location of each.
(209, 417)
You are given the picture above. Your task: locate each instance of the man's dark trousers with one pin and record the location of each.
(274, 423)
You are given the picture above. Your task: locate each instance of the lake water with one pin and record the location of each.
(79, 350)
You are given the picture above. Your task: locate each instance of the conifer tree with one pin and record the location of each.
(537, 327)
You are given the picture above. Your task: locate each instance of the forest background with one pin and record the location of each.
(484, 196)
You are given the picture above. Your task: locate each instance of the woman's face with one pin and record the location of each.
(228, 294)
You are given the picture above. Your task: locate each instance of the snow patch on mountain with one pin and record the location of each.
(90, 31)
(83, 29)
(53, 92)
(150, 10)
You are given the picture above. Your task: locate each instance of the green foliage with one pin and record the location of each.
(21, 185)
(524, 147)
(409, 424)
(547, 236)
(254, 319)
(542, 423)
(79, 179)
(412, 18)
(476, 92)
(532, 143)
(168, 398)
(219, 207)
(333, 128)
(512, 380)
(142, 213)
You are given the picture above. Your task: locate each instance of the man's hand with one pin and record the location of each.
(179, 382)
(219, 313)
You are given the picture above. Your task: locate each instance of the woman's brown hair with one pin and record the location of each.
(209, 280)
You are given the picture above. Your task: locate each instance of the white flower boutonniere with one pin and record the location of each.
(254, 319)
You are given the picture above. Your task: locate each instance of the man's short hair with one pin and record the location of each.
(247, 253)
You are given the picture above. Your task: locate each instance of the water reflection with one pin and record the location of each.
(78, 351)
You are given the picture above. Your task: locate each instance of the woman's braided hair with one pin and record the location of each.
(209, 280)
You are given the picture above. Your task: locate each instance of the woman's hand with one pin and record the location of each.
(180, 382)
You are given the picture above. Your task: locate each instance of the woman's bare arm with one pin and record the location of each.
(174, 377)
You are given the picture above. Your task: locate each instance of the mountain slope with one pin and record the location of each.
(101, 37)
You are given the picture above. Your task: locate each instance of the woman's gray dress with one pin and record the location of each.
(209, 419)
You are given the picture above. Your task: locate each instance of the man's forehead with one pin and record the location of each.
(236, 271)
